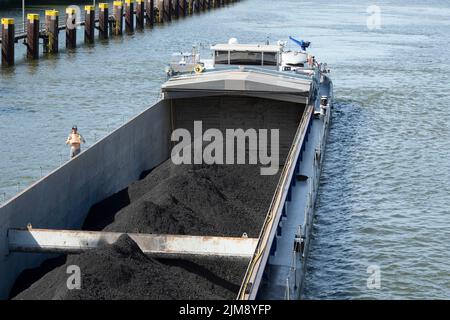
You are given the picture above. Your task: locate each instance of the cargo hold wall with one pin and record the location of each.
(62, 199)
(233, 112)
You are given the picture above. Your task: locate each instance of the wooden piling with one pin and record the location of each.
(150, 12)
(160, 11)
(33, 36)
(8, 34)
(118, 18)
(89, 26)
(167, 10)
(129, 16)
(183, 8)
(176, 9)
(147, 12)
(52, 30)
(71, 28)
(103, 20)
(140, 14)
(197, 6)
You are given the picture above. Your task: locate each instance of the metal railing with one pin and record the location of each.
(257, 264)
(313, 187)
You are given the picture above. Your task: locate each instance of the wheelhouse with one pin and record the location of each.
(245, 54)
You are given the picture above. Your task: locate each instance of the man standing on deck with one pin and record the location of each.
(75, 140)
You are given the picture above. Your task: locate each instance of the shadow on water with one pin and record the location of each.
(7, 72)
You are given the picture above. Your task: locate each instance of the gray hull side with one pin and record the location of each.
(62, 199)
(285, 271)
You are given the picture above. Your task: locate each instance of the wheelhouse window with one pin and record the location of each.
(246, 58)
(221, 57)
(270, 59)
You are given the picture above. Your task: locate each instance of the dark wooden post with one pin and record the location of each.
(160, 11)
(51, 27)
(118, 17)
(71, 28)
(167, 10)
(89, 26)
(140, 14)
(176, 9)
(197, 6)
(103, 20)
(32, 36)
(129, 16)
(208, 4)
(183, 8)
(8, 35)
(150, 12)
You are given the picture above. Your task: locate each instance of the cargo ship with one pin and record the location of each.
(238, 216)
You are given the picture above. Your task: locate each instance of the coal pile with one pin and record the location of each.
(215, 200)
(122, 271)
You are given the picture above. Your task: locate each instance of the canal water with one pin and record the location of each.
(384, 200)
